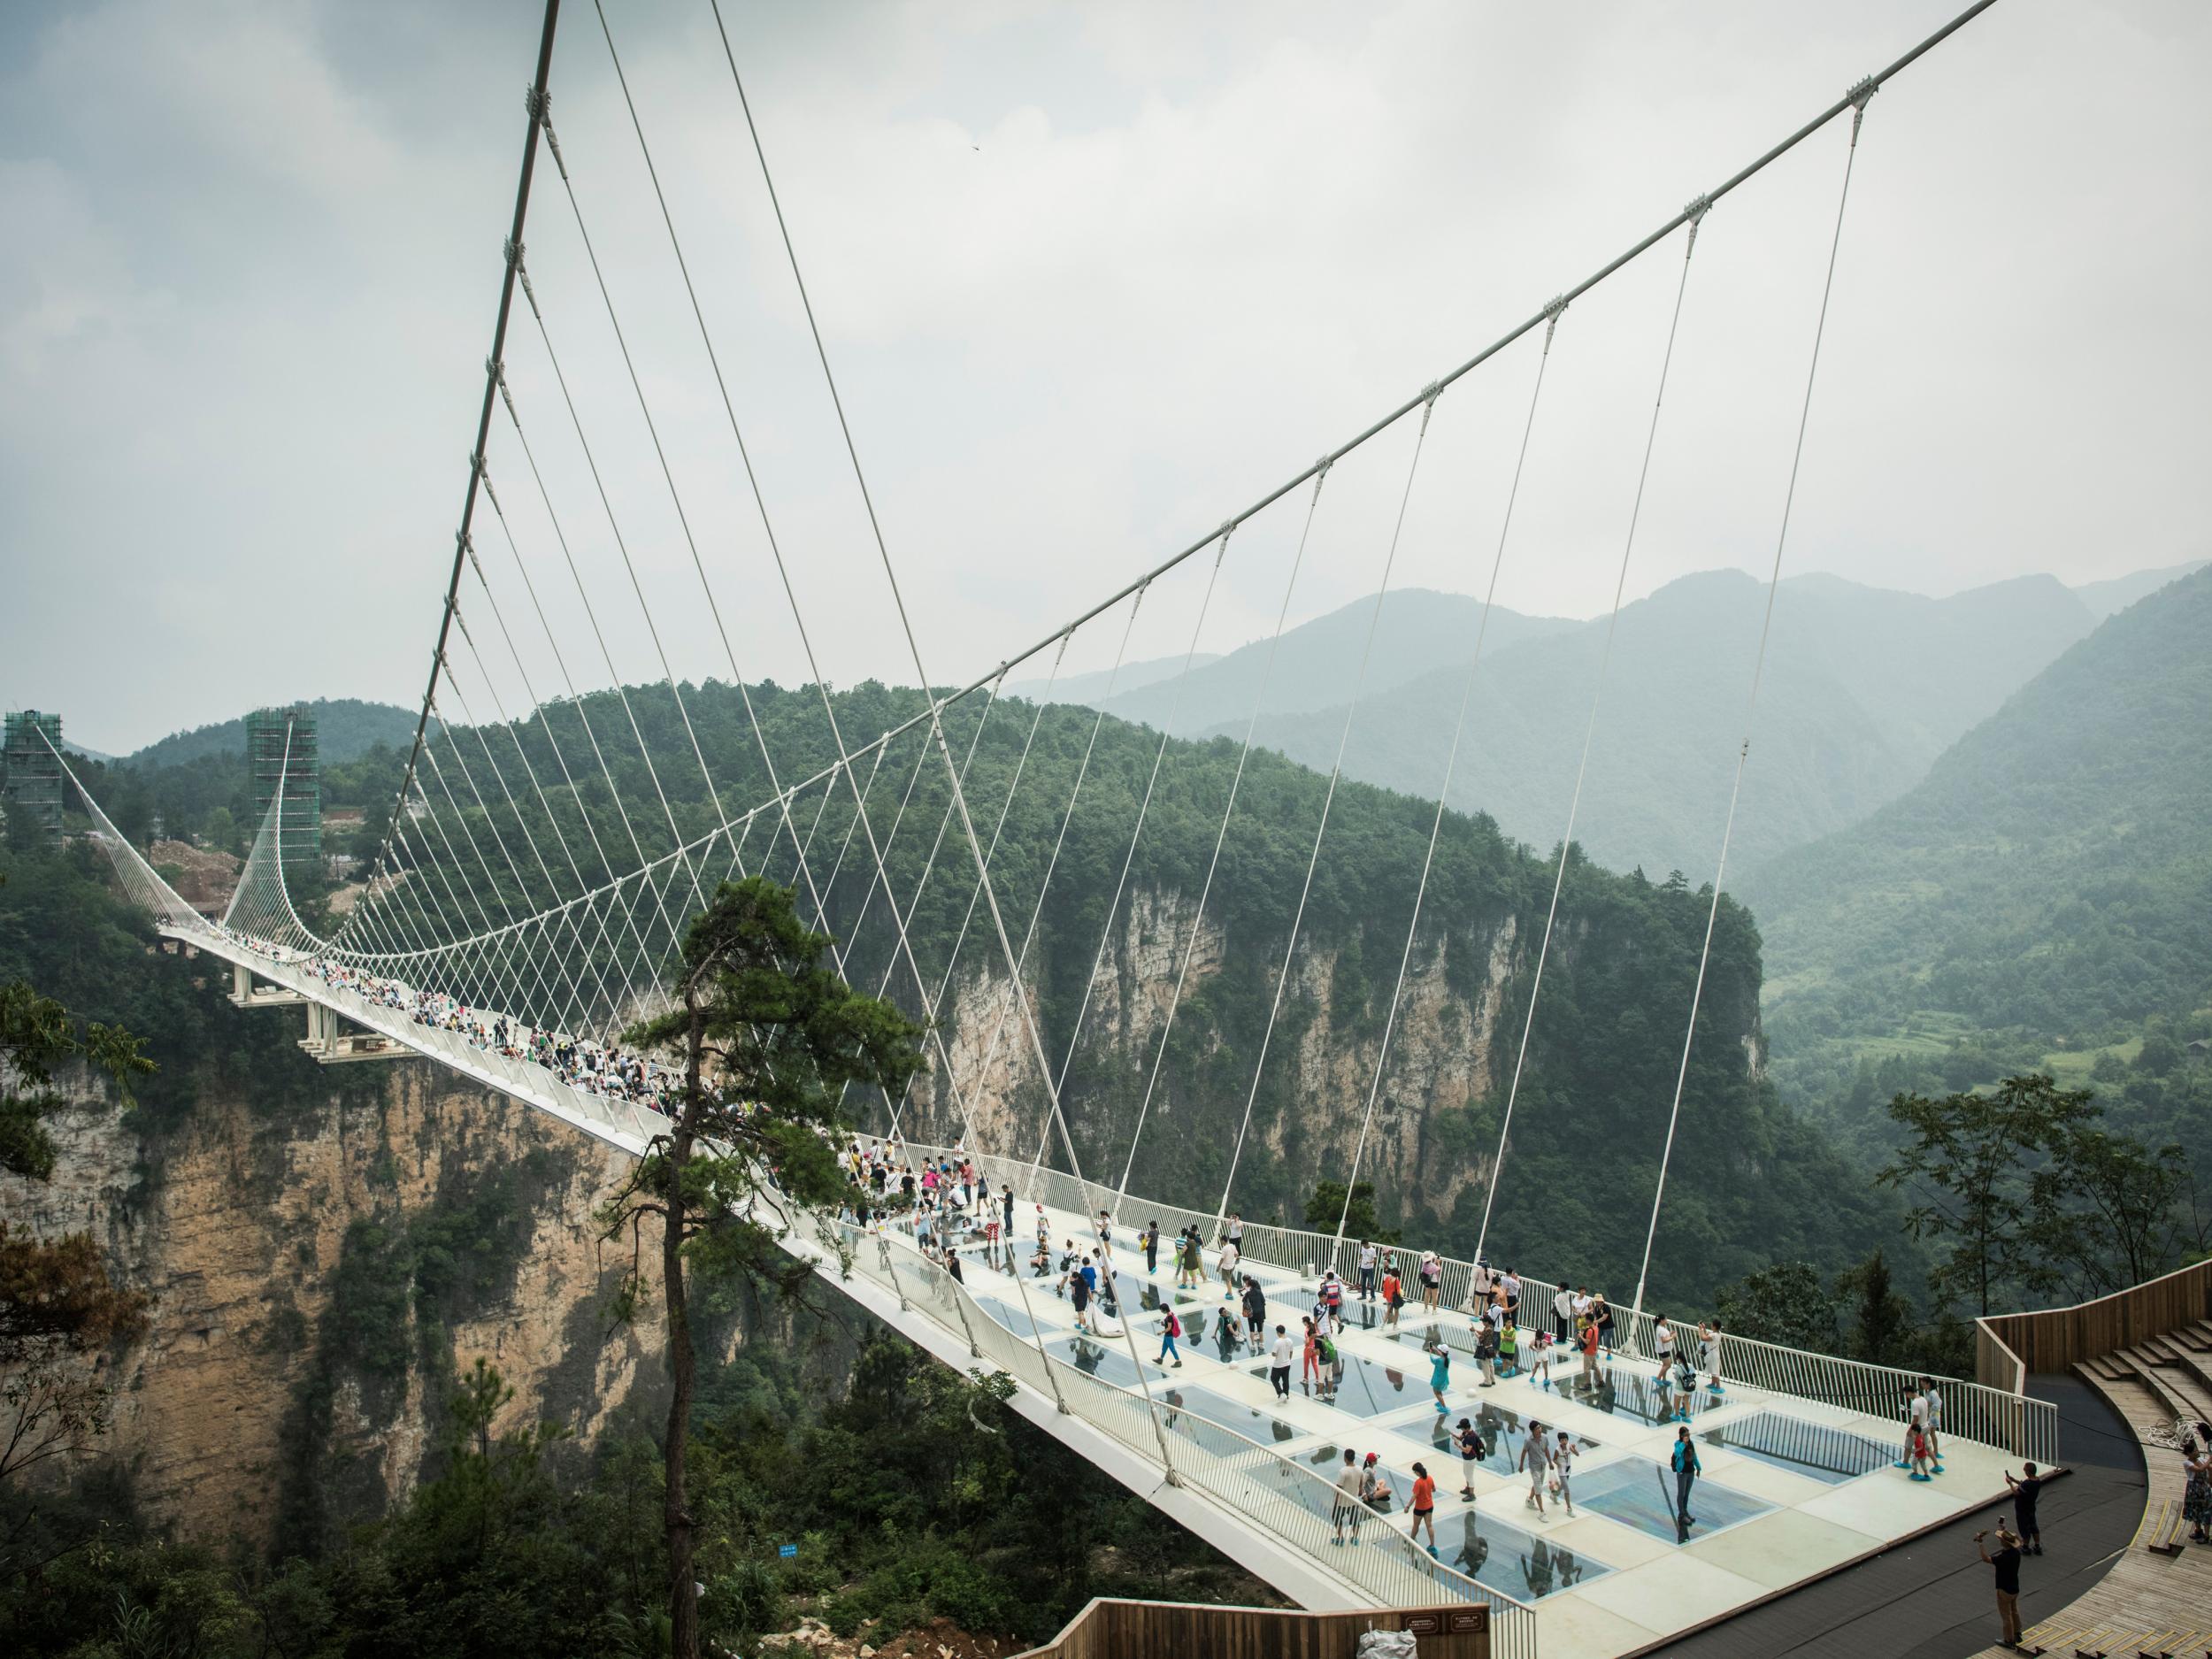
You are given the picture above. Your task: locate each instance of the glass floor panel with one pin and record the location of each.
(1501, 1556)
(1626, 1389)
(1364, 1387)
(1317, 1495)
(1812, 1449)
(1501, 1433)
(1010, 1315)
(1108, 1360)
(1641, 1494)
(1253, 1422)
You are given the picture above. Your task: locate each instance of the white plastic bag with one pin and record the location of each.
(1386, 1644)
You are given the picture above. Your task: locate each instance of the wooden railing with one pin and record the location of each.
(2009, 1346)
(1142, 1630)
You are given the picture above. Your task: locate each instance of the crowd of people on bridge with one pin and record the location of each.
(610, 1072)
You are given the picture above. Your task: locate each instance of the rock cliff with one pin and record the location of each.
(317, 1274)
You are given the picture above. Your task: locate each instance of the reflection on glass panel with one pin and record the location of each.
(1814, 1450)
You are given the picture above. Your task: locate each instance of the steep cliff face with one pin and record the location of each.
(1444, 1056)
(318, 1272)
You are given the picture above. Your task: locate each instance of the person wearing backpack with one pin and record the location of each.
(1255, 1311)
(1682, 1459)
(1469, 1444)
(1171, 1327)
(1332, 1360)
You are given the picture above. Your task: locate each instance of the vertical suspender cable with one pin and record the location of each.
(1589, 730)
(1444, 789)
(1860, 95)
(1328, 800)
(1221, 835)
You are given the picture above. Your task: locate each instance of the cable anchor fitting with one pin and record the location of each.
(1860, 97)
(1695, 209)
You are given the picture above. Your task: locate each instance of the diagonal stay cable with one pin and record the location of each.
(644, 958)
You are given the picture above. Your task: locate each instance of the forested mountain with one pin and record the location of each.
(2047, 888)
(1593, 1108)
(345, 728)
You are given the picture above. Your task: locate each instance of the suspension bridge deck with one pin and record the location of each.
(1793, 1487)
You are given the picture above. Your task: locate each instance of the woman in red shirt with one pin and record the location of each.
(1424, 1506)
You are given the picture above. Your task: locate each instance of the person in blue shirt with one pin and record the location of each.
(1439, 1374)
(1686, 1469)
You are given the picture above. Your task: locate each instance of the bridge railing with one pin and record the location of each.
(1257, 1482)
(1973, 1411)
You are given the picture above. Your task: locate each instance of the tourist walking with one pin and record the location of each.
(1682, 1460)
(1311, 1368)
(1469, 1444)
(1709, 1355)
(1230, 1256)
(1348, 1506)
(1424, 1505)
(1432, 1278)
(1279, 1371)
(1366, 1271)
(2007, 1561)
(1152, 1249)
(1563, 1456)
(1915, 1425)
(1254, 1308)
(1439, 1374)
(1394, 1294)
(1589, 1341)
(1171, 1327)
(1536, 1458)
(1562, 1313)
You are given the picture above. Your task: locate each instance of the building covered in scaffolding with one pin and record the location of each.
(30, 770)
(281, 751)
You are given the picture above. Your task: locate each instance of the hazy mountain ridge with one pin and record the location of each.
(2051, 877)
(1865, 688)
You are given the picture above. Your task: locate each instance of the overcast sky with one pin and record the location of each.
(1093, 278)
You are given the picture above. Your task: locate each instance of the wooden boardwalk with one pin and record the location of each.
(2157, 1596)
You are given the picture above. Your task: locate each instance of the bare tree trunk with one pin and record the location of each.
(683, 1599)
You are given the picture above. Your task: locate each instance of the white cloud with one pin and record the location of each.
(1092, 278)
